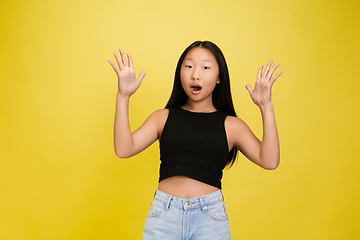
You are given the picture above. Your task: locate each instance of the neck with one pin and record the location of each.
(202, 106)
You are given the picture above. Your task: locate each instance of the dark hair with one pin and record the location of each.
(221, 95)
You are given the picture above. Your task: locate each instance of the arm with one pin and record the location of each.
(265, 153)
(127, 144)
(270, 150)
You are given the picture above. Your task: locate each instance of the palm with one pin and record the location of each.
(261, 94)
(127, 82)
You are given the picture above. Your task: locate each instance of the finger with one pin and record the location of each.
(130, 61)
(141, 76)
(273, 70)
(249, 88)
(123, 58)
(259, 75)
(267, 68)
(118, 60)
(114, 67)
(275, 77)
(260, 71)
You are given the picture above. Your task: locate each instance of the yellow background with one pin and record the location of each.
(59, 176)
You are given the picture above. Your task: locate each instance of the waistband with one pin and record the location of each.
(186, 203)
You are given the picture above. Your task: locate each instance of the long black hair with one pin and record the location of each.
(221, 96)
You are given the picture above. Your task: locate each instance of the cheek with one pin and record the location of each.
(182, 81)
(184, 73)
(184, 77)
(213, 77)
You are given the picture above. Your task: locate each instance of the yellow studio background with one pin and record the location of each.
(59, 176)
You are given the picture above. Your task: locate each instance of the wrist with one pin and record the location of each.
(122, 96)
(266, 107)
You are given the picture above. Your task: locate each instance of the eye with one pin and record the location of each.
(206, 67)
(188, 66)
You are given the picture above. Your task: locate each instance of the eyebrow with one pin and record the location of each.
(206, 60)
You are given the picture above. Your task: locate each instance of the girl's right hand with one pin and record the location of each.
(127, 82)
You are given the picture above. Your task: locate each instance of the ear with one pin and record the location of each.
(218, 81)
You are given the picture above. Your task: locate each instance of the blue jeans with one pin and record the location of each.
(172, 218)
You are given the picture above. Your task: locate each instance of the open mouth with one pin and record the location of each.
(196, 88)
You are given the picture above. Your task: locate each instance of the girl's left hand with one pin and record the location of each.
(261, 94)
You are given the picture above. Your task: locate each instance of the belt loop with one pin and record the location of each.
(202, 204)
(222, 195)
(168, 203)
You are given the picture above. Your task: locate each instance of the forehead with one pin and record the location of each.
(200, 54)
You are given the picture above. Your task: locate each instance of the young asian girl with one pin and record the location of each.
(199, 134)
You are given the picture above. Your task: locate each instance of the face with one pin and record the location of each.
(199, 74)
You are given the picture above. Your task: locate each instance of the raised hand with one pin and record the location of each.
(127, 82)
(261, 94)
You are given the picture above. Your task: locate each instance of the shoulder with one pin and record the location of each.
(154, 123)
(235, 127)
(233, 123)
(160, 114)
(238, 133)
(159, 117)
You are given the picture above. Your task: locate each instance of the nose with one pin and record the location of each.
(196, 74)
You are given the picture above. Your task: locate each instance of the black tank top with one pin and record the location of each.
(194, 145)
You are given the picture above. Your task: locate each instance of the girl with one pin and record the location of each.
(199, 134)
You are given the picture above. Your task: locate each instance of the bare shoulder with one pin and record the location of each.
(232, 123)
(236, 131)
(154, 124)
(160, 115)
(158, 120)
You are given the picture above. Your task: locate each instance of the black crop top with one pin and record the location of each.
(194, 145)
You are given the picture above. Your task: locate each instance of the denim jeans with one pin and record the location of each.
(172, 218)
